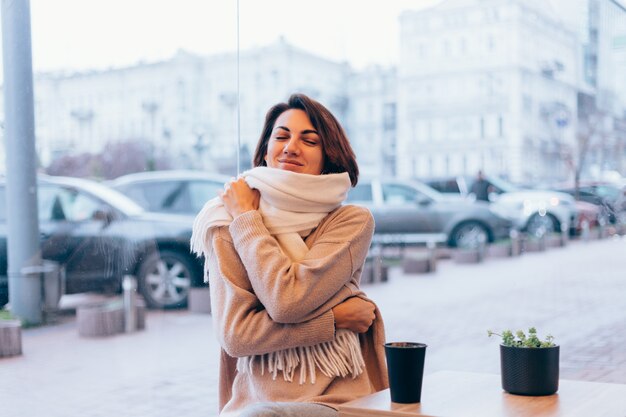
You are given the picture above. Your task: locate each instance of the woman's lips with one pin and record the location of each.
(290, 162)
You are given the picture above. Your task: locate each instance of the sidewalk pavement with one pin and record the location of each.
(577, 293)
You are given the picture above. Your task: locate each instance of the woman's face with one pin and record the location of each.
(294, 144)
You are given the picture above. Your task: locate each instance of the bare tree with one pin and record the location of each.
(116, 159)
(83, 165)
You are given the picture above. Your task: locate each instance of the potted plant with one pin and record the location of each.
(529, 366)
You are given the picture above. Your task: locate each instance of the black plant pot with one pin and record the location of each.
(529, 371)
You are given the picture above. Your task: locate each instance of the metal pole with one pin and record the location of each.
(129, 285)
(22, 225)
(238, 99)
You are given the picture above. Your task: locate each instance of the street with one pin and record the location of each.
(576, 293)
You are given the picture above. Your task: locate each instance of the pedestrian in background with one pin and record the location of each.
(481, 187)
(284, 259)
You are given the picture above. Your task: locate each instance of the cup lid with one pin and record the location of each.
(406, 345)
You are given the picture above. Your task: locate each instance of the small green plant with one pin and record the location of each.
(519, 339)
(6, 315)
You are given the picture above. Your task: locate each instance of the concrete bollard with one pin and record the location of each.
(199, 300)
(537, 244)
(500, 250)
(417, 263)
(584, 234)
(10, 338)
(516, 244)
(564, 234)
(99, 320)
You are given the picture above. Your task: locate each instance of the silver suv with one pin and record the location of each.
(533, 211)
(418, 211)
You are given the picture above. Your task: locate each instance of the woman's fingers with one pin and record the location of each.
(238, 197)
(355, 314)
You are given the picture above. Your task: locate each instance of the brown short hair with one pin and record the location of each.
(338, 154)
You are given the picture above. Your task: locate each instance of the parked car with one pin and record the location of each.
(409, 207)
(99, 235)
(415, 209)
(533, 211)
(609, 197)
(180, 192)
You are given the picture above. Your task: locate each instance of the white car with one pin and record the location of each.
(536, 212)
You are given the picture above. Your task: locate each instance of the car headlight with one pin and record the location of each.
(528, 207)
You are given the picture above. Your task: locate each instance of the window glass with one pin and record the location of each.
(447, 186)
(400, 194)
(3, 204)
(361, 193)
(153, 196)
(609, 192)
(202, 191)
(50, 205)
(424, 89)
(77, 206)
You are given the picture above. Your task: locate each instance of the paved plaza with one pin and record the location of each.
(576, 293)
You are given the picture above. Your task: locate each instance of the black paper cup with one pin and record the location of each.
(405, 365)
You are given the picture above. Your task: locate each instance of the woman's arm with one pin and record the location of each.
(242, 324)
(292, 291)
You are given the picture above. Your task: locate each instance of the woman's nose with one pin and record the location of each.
(291, 147)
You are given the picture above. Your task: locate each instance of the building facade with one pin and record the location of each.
(502, 86)
(371, 120)
(187, 107)
(485, 85)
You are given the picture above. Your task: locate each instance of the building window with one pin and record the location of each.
(482, 128)
(389, 117)
(527, 103)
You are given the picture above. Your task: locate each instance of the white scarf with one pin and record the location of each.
(291, 205)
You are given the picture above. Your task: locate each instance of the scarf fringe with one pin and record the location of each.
(340, 357)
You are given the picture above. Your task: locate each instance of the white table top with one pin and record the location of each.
(466, 394)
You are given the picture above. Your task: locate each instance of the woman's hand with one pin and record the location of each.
(239, 198)
(354, 314)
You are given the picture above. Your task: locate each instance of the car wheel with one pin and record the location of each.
(470, 235)
(165, 278)
(539, 225)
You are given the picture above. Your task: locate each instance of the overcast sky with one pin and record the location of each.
(81, 34)
(86, 34)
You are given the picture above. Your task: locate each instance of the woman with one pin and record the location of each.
(284, 259)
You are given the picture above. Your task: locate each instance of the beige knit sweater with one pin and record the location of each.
(262, 302)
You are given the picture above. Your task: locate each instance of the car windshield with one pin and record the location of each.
(504, 185)
(607, 191)
(425, 189)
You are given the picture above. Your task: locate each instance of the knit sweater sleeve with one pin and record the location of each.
(242, 324)
(292, 291)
